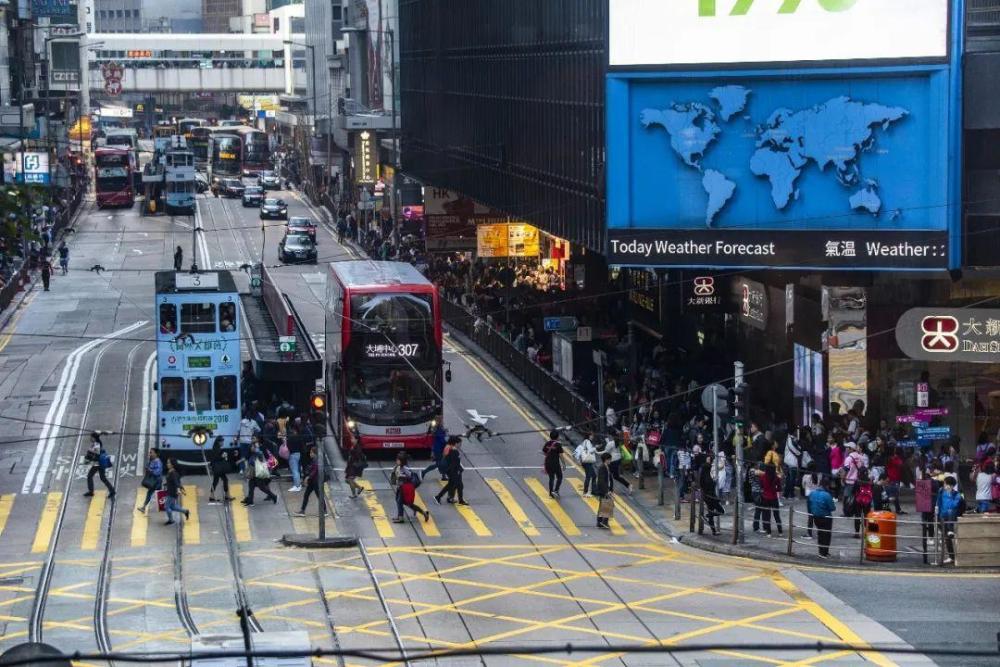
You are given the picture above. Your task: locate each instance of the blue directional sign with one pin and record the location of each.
(560, 324)
(934, 433)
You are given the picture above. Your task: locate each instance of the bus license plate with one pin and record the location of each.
(392, 445)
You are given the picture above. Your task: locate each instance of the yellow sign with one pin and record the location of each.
(227, 156)
(522, 240)
(259, 102)
(492, 240)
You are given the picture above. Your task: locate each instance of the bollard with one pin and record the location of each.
(691, 517)
(661, 490)
(640, 464)
(701, 513)
(864, 540)
(736, 522)
(791, 526)
(677, 501)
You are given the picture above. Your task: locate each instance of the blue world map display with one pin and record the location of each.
(792, 153)
(833, 134)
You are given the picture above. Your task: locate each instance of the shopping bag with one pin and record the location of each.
(606, 508)
(161, 500)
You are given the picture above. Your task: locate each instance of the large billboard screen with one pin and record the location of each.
(820, 169)
(705, 32)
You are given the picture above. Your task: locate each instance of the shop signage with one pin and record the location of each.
(923, 395)
(790, 248)
(950, 334)
(65, 76)
(560, 323)
(751, 302)
(64, 9)
(701, 292)
(365, 158)
(522, 240)
(36, 168)
(758, 31)
(491, 241)
(507, 240)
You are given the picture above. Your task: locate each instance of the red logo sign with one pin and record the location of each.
(940, 333)
(704, 286)
(113, 74)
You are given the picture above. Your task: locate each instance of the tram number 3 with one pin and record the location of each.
(742, 7)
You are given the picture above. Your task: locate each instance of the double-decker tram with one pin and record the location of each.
(114, 170)
(197, 360)
(383, 355)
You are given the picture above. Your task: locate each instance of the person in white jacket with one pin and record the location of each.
(791, 462)
(586, 455)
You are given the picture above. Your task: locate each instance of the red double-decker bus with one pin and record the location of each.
(114, 176)
(383, 355)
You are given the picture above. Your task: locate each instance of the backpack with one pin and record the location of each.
(415, 479)
(104, 460)
(863, 494)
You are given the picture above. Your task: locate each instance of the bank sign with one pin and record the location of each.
(768, 134)
(950, 334)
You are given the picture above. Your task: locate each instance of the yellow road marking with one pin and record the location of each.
(12, 326)
(429, 527)
(513, 507)
(475, 523)
(241, 522)
(557, 512)
(6, 504)
(192, 527)
(833, 623)
(47, 522)
(139, 519)
(92, 527)
(577, 484)
(376, 511)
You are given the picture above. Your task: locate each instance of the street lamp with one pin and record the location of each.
(312, 56)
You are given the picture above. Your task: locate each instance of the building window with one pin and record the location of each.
(336, 13)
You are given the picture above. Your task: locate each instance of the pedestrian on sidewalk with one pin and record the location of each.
(894, 471)
(153, 479)
(453, 468)
(294, 441)
(983, 476)
(356, 464)
(178, 259)
(792, 462)
(552, 450)
(810, 482)
(710, 494)
(218, 464)
(63, 257)
(603, 490)
(99, 464)
(259, 477)
(437, 452)
(312, 481)
(770, 487)
(174, 492)
(46, 274)
(683, 472)
(864, 497)
(949, 508)
(586, 455)
(611, 448)
(405, 481)
(821, 508)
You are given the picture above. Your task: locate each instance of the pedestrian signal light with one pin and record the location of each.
(318, 400)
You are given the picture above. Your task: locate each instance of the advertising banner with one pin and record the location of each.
(522, 240)
(64, 10)
(451, 219)
(700, 32)
(491, 241)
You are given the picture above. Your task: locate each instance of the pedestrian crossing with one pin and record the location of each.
(499, 507)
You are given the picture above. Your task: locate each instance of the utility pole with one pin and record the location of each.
(738, 415)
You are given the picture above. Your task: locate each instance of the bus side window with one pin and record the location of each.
(197, 318)
(172, 394)
(168, 318)
(225, 392)
(227, 317)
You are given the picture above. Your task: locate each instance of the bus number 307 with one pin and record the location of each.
(742, 7)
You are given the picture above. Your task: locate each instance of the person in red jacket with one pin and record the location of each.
(894, 469)
(770, 485)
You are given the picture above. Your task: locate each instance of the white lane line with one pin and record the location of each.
(142, 444)
(202, 247)
(48, 438)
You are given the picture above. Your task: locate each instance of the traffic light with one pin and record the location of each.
(739, 404)
(318, 401)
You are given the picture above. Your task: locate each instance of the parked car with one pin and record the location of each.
(231, 187)
(253, 196)
(273, 208)
(296, 248)
(269, 180)
(302, 225)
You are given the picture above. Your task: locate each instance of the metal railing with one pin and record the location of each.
(983, 17)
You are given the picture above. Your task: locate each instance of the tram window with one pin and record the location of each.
(198, 318)
(199, 394)
(172, 394)
(168, 318)
(225, 392)
(227, 317)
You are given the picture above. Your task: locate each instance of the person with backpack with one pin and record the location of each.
(99, 461)
(218, 465)
(174, 492)
(950, 506)
(452, 457)
(552, 452)
(864, 496)
(849, 472)
(821, 508)
(405, 481)
(354, 468)
(258, 477)
(152, 480)
(586, 455)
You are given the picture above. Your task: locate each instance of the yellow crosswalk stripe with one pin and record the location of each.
(513, 507)
(429, 527)
(557, 512)
(92, 526)
(47, 522)
(139, 519)
(382, 524)
(6, 504)
(192, 527)
(577, 484)
(241, 522)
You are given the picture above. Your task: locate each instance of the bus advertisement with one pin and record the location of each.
(197, 360)
(114, 170)
(226, 155)
(384, 362)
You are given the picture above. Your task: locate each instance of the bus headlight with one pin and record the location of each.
(351, 424)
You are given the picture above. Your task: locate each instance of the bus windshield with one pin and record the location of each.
(257, 151)
(112, 171)
(226, 156)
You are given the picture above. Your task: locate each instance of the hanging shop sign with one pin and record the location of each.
(36, 168)
(365, 158)
(113, 74)
(751, 302)
(522, 240)
(452, 218)
(950, 334)
(492, 241)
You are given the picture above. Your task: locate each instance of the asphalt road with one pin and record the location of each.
(514, 569)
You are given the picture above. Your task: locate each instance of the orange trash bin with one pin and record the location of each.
(880, 538)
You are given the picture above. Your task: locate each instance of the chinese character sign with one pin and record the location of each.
(950, 334)
(35, 168)
(365, 158)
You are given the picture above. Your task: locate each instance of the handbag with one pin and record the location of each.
(161, 500)
(626, 453)
(588, 457)
(606, 507)
(283, 451)
(150, 481)
(272, 463)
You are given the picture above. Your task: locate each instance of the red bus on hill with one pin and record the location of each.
(383, 355)
(114, 176)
